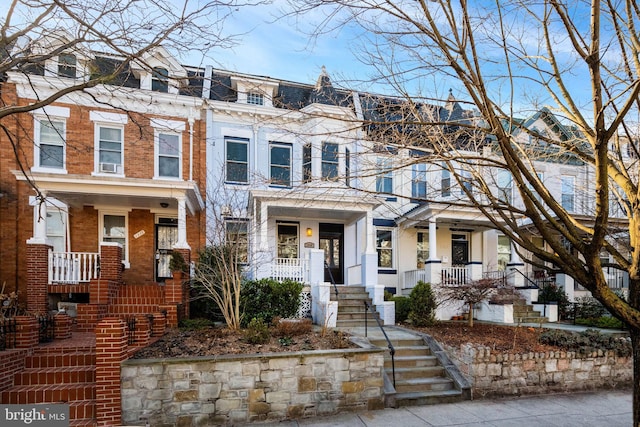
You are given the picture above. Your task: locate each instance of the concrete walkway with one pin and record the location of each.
(605, 408)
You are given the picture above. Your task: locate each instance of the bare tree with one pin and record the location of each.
(507, 59)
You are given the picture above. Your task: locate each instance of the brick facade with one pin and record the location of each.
(111, 350)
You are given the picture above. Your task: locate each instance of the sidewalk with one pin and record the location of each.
(594, 409)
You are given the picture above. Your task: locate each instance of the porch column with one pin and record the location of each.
(40, 228)
(515, 278)
(514, 257)
(264, 259)
(182, 224)
(369, 259)
(370, 245)
(432, 240)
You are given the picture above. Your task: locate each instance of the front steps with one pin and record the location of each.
(420, 377)
(351, 308)
(58, 375)
(524, 313)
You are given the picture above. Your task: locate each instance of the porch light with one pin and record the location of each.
(309, 232)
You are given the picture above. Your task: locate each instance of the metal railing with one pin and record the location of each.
(8, 333)
(290, 268)
(333, 282)
(528, 280)
(73, 267)
(131, 330)
(499, 276)
(46, 328)
(392, 350)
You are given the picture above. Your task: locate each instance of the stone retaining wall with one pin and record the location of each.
(494, 374)
(227, 390)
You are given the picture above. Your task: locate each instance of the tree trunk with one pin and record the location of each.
(634, 333)
(470, 315)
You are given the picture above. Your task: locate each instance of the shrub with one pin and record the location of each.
(586, 342)
(197, 323)
(422, 303)
(257, 332)
(589, 307)
(402, 308)
(291, 328)
(551, 292)
(268, 298)
(606, 322)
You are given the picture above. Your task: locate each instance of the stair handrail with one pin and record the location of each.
(392, 350)
(534, 284)
(333, 282)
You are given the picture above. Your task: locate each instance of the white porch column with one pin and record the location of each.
(263, 258)
(515, 278)
(182, 224)
(370, 245)
(369, 259)
(432, 240)
(514, 257)
(40, 227)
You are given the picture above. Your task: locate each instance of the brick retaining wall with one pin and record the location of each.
(495, 374)
(208, 391)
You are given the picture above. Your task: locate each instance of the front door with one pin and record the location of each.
(166, 238)
(331, 242)
(459, 249)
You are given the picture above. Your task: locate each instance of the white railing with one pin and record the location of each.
(454, 275)
(290, 268)
(412, 277)
(73, 267)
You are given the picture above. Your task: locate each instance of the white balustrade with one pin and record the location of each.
(73, 267)
(454, 275)
(290, 268)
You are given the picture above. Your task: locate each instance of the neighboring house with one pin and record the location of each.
(118, 166)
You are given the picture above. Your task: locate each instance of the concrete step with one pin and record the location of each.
(422, 398)
(411, 361)
(423, 384)
(419, 372)
(402, 342)
(416, 350)
(357, 316)
(530, 319)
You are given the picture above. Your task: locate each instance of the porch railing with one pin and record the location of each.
(290, 268)
(454, 275)
(73, 267)
(412, 277)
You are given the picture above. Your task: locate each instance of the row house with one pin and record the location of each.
(101, 185)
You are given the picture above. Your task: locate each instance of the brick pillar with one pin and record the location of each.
(111, 350)
(63, 324)
(172, 314)
(159, 324)
(26, 331)
(177, 290)
(143, 330)
(37, 277)
(111, 261)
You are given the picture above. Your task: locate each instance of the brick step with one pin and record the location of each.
(82, 410)
(89, 422)
(64, 350)
(411, 361)
(59, 375)
(50, 393)
(423, 384)
(418, 372)
(422, 398)
(59, 360)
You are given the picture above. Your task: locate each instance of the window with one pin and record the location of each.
(237, 238)
(57, 228)
(419, 180)
(384, 178)
(347, 167)
(50, 143)
(329, 160)
(237, 160)
(505, 192)
(465, 177)
(280, 158)
(384, 246)
(110, 149)
(306, 163)
(422, 248)
(160, 80)
(568, 193)
(445, 182)
(504, 252)
(114, 229)
(67, 65)
(168, 155)
(287, 240)
(255, 98)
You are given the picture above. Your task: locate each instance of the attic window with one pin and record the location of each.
(67, 65)
(160, 80)
(255, 98)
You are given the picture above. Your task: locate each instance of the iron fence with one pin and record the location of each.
(46, 328)
(131, 330)
(8, 333)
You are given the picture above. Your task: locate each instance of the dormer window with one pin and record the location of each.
(255, 98)
(67, 63)
(160, 80)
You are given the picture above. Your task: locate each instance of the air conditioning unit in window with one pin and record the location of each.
(108, 167)
(225, 210)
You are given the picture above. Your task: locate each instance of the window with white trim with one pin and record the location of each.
(329, 160)
(280, 164)
(110, 148)
(67, 65)
(384, 177)
(419, 180)
(384, 247)
(422, 248)
(237, 238)
(255, 98)
(57, 228)
(168, 154)
(114, 228)
(50, 142)
(504, 252)
(445, 182)
(347, 167)
(505, 186)
(160, 80)
(306, 163)
(568, 192)
(237, 160)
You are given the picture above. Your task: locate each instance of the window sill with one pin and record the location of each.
(39, 169)
(106, 174)
(168, 178)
